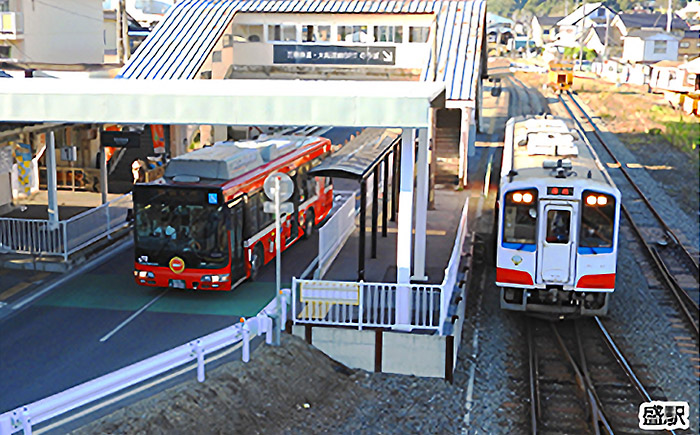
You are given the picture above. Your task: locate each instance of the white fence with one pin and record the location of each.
(366, 304)
(40, 237)
(333, 234)
(24, 417)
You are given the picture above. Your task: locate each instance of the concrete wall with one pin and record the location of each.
(401, 353)
(56, 31)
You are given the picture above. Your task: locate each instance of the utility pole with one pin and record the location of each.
(607, 32)
(122, 32)
(669, 16)
(583, 27)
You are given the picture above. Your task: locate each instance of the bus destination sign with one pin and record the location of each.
(334, 55)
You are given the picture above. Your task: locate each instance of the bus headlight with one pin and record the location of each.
(143, 274)
(216, 278)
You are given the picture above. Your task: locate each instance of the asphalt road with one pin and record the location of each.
(55, 343)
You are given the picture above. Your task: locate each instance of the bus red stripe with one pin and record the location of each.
(513, 276)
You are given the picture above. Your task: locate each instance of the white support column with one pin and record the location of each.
(465, 137)
(421, 206)
(51, 179)
(405, 229)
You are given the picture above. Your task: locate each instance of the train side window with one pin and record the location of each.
(597, 220)
(520, 218)
(558, 226)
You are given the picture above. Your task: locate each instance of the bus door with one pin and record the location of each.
(236, 224)
(555, 252)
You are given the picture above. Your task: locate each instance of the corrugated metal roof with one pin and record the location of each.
(181, 42)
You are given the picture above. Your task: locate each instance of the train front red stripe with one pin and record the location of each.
(513, 276)
(606, 280)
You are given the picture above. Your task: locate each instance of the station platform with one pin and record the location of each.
(440, 237)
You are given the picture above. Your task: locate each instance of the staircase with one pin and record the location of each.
(447, 135)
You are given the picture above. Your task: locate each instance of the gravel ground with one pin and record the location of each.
(291, 389)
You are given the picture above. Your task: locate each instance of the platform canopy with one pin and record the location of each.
(357, 158)
(225, 102)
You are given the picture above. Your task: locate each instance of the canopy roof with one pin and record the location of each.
(360, 155)
(226, 102)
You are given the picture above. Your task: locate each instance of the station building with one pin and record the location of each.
(326, 40)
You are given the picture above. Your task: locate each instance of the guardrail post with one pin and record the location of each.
(285, 300)
(5, 426)
(294, 299)
(246, 341)
(268, 330)
(26, 422)
(200, 361)
(360, 308)
(65, 241)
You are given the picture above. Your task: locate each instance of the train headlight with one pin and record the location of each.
(602, 200)
(527, 197)
(591, 200)
(518, 197)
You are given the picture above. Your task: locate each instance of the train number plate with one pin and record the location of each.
(177, 283)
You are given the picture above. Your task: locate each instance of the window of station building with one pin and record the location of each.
(216, 56)
(418, 33)
(205, 75)
(4, 52)
(388, 34)
(4, 5)
(247, 33)
(282, 32)
(315, 33)
(353, 34)
(227, 41)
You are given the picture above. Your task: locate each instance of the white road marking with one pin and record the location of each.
(132, 317)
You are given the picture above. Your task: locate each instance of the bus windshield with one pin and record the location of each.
(188, 223)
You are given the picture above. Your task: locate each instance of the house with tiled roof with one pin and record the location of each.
(544, 29)
(689, 45)
(627, 23)
(575, 25)
(649, 46)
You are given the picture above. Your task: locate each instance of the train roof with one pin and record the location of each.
(549, 147)
(225, 161)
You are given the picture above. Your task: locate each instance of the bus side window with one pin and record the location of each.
(253, 219)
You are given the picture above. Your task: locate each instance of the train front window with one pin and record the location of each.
(520, 218)
(558, 226)
(188, 223)
(597, 220)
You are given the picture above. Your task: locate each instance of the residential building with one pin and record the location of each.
(544, 29)
(690, 13)
(146, 12)
(689, 46)
(51, 31)
(574, 26)
(627, 23)
(596, 41)
(649, 46)
(136, 34)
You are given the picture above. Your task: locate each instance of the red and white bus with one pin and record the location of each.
(202, 225)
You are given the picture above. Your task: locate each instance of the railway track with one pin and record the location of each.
(580, 382)
(673, 261)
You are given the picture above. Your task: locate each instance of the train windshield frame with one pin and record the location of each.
(177, 221)
(520, 219)
(597, 229)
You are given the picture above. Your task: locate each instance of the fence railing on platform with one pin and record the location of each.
(43, 238)
(367, 304)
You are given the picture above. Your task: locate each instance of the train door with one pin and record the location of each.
(556, 245)
(236, 210)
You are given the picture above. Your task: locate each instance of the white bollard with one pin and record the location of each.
(268, 330)
(200, 361)
(246, 343)
(285, 298)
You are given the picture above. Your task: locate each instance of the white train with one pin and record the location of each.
(558, 215)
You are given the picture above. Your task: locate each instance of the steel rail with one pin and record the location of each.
(678, 292)
(534, 381)
(684, 300)
(598, 418)
(666, 228)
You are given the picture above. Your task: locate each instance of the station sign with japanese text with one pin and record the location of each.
(334, 55)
